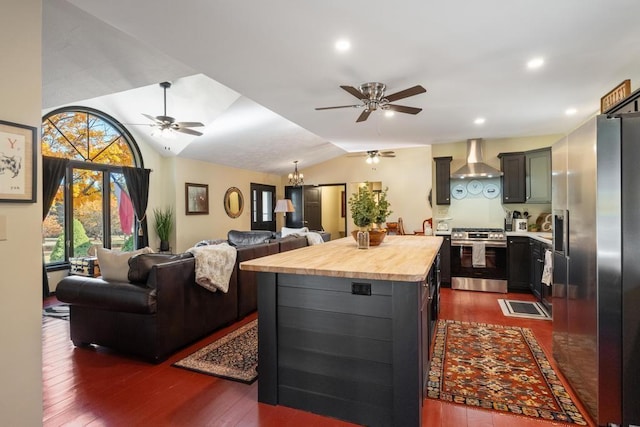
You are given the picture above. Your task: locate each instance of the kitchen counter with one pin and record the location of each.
(537, 235)
(346, 332)
(400, 258)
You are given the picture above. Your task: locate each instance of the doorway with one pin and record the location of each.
(318, 207)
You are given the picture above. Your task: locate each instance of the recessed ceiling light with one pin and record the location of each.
(535, 63)
(570, 111)
(389, 113)
(479, 120)
(343, 45)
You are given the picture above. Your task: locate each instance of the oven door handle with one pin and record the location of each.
(487, 244)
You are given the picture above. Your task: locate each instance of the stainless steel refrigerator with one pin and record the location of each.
(596, 277)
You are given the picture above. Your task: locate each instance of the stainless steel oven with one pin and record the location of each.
(479, 259)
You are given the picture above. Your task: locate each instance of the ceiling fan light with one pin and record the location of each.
(376, 159)
(369, 160)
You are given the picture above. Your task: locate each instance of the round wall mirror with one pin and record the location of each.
(233, 202)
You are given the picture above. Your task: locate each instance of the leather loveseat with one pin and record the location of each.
(158, 311)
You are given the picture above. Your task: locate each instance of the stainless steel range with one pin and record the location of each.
(479, 259)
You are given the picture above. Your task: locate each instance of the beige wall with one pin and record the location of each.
(478, 211)
(332, 222)
(21, 252)
(190, 229)
(408, 176)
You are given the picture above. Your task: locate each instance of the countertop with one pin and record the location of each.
(399, 258)
(537, 235)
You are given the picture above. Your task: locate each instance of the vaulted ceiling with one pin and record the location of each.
(253, 72)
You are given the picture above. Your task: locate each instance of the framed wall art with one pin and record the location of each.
(196, 198)
(17, 163)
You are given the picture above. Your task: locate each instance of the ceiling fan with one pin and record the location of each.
(373, 156)
(373, 98)
(166, 123)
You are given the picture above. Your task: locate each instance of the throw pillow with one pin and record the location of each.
(114, 265)
(287, 231)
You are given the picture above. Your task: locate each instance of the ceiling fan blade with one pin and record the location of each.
(188, 131)
(340, 106)
(387, 154)
(152, 118)
(364, 116)
(405, 93)
(353, 91)
(189, 124)
(403, 109)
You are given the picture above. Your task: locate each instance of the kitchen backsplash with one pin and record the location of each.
(477, 204)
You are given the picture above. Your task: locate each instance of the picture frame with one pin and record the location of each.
(17, 163)
(196, 199)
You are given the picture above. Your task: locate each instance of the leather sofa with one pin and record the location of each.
(250, 245)
(153, 318)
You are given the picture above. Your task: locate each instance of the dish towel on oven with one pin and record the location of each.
(547, 271)
(478, 255)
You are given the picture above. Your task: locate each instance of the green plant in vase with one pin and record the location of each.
(163, 226)
(382, 211)
(363, 207)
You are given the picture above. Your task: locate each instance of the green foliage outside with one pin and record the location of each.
(81, 243)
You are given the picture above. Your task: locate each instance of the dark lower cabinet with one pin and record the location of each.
(536, 266)
(518, 264)
(445, 262)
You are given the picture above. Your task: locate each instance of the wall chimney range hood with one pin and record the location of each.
(475, 167)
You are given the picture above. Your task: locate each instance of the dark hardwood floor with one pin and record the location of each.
(97, 387)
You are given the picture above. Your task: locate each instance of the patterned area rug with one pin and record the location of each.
(58, 311)
(234, 356)
(497, 367)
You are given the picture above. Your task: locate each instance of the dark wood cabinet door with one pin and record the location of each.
(513, 181)
(443, 176)
(445, 261)
(518, 264)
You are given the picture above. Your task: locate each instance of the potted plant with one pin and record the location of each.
(163, 225)
(369, 208)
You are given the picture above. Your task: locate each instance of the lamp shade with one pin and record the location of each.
(284, 205)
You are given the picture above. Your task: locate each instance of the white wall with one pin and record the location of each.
(408, 176)
(21, 252)
(478, 211)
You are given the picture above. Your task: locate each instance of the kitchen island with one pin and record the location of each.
(346, 332)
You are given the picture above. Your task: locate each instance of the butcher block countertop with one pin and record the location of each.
(398, 258)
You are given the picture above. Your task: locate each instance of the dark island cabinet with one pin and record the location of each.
(518, 264)
(443, 177)
(445, 261)
(536, 267)
(513, 167)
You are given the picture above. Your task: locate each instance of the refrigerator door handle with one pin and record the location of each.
(566, 233)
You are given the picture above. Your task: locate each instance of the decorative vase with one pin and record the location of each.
(375, 236)
(362, 237)
(164, 245)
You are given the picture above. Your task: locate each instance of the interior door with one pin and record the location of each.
(313, 207)
(294, 219)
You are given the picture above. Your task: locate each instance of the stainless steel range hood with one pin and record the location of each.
(475, 167)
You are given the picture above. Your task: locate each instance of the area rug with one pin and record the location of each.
(58, 311)
(500, 368)
(233, 357)
(523, 309)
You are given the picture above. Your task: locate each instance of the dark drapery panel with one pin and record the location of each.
(138, 185)
(53, 170)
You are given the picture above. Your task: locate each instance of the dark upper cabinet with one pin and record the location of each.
(538, 175)
(518, 264)
(513, 168)
(527, 176)
(443, 176)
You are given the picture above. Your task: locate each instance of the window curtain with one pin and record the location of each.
(53, 170)
(138, 184)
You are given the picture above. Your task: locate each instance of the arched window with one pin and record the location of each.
(92, 207)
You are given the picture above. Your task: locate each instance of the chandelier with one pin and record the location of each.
(296, 178)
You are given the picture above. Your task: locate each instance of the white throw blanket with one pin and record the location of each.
(214, 265)
(314, 238)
